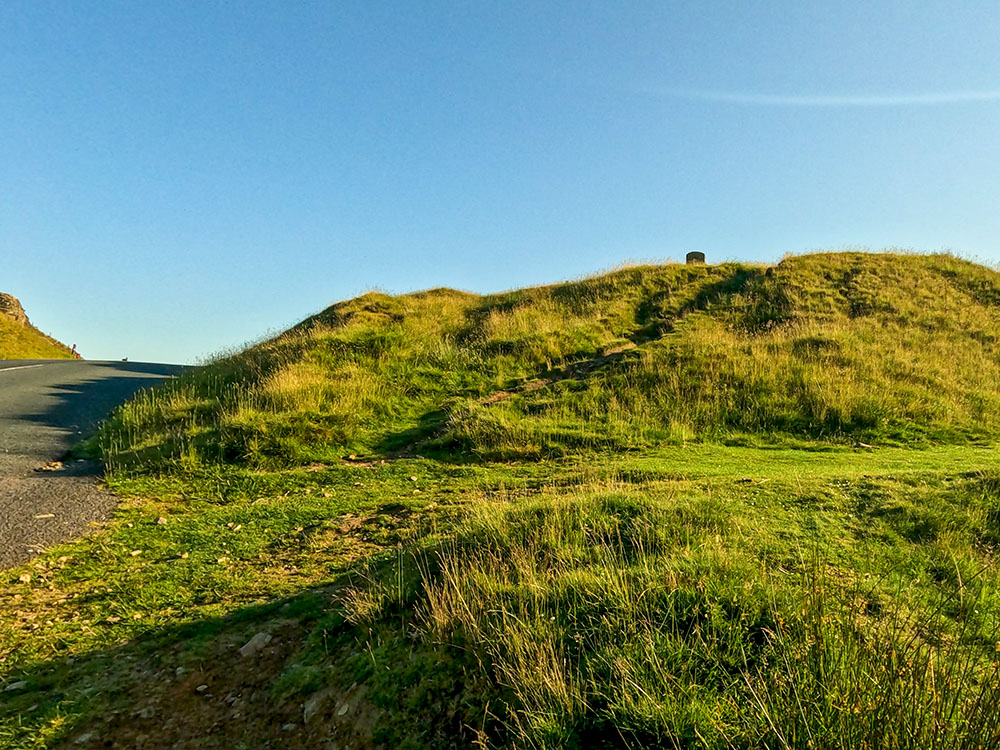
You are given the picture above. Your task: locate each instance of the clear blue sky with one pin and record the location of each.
(179, 177)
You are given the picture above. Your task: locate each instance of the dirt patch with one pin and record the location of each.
(228, 701)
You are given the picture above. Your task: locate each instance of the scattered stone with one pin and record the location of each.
(161, 521)
(16, 686)
(135, 552)
(413, 479)
(184, 555)
(201, 688)
(289, 727)
(357, 484)
(24, 578)
(344, 709)
(255, 644)
(84, 738)
(314, 704)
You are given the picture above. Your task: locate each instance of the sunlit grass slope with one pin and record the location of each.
(27, 342)
(667, 507)
(846, 347)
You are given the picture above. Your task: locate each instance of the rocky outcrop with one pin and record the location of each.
(11, 307)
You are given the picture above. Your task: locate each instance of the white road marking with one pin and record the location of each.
(19, 367)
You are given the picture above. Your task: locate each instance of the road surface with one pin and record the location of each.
(45, 407)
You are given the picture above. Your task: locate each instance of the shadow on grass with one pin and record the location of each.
(186, 686)
(290, 673)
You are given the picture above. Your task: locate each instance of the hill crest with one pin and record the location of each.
(835, 347)
(19, 339)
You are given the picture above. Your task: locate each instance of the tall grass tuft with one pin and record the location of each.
(613, 620)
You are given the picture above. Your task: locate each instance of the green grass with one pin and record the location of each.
(27, 342)
(679, 507)
(689, 599)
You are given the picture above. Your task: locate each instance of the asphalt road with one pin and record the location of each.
(45, 407)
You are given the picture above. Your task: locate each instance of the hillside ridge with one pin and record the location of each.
(841, 347)
(19, 339)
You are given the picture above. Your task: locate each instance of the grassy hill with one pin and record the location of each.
(836, 347)
(24, 341)
(670, 506)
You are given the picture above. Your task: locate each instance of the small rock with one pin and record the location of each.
(16, 686)
(255, 644)
(290, 727)
(201, 688)
(357, 484)
(84, 738)
(184, 555)
(161, 521)
(135, 552)
(24, 578)
(344, 709)
(413, 479)
(314, 704)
